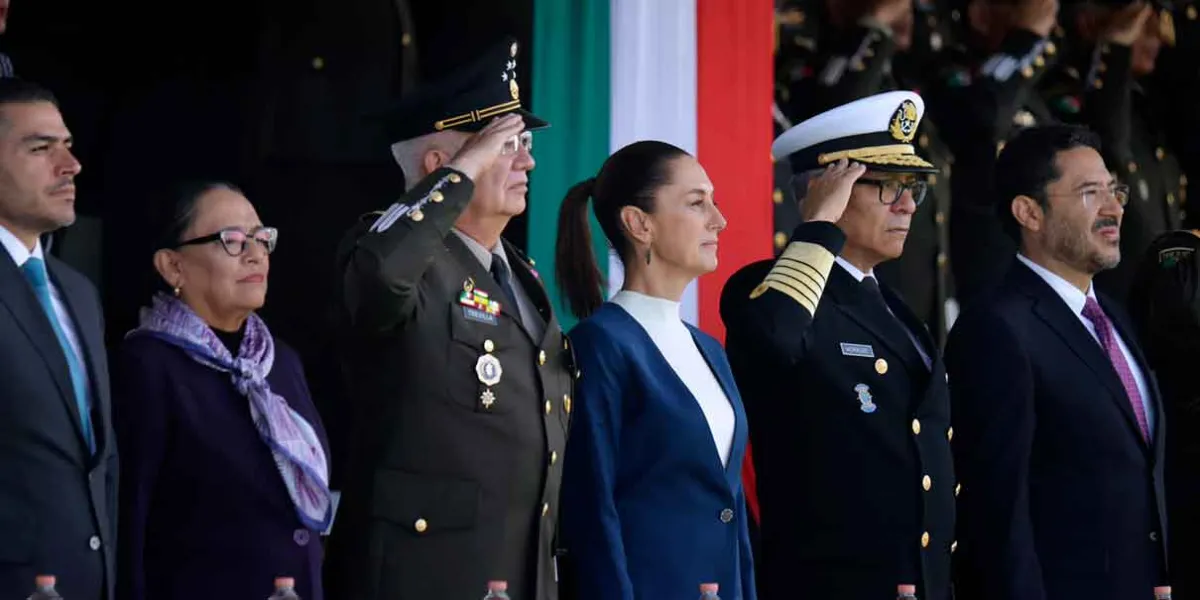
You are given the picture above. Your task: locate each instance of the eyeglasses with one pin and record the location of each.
(1095, 195)
(516, 142)
(891, 190)
(235, 241)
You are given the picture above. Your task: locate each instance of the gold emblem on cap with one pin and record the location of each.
(904, 122)
(881, 366)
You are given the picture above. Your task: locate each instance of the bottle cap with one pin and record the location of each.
(707, 588)
(284, 582)
(497, 586)
(44, 581)
(906, 589)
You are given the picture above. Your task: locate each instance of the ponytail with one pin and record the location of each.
(575, 265)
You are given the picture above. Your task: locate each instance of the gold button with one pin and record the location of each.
(940, 217)
(1038, 61)
(549, 407)
(1133, 167)
(542, 357)
(1099, 83)
(916, 427)
(927, 482)
(318, 63)
(488, 346)
(436, 196)
(1051, 48)
(417, 215)
(777, 196)
(949, 434)
(953, 546)
(567, 403)
(553, 457)
(1191, 13)
(957, 489)
(781, 239)
(1170, 199)
(454, 178)
(406, 39)
(421, 525)
(881, 366)
(925, 540)
(545, 509)
(1159, 153)
(1027, 71)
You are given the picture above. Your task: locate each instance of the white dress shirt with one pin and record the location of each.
(1075, 300)
(530, 318)
(858, 275)
(660, 318)
(20, 255)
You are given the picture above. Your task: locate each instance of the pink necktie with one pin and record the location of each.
(1108, 340)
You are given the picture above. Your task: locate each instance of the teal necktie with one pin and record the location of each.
(34, 270)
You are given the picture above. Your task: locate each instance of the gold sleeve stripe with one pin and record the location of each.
(803, 272)
(810, 290)
(807, 256)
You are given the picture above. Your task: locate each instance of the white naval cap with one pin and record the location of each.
(876, 131)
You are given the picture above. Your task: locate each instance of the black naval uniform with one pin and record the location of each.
(865, 62)
(980, 99)
(851, 431)
(463, 415)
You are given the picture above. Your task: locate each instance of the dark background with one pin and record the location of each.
(271, 95)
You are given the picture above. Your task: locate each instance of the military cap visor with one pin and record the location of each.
(876, 131)
(465, 100)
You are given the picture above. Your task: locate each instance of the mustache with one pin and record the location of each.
(63, 184)
(1105, 222)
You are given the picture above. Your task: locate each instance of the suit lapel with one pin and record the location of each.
(1121, 323)
(533, 286)
(90, 342)
(1055, 313)
(714, 356)
(22, 303)
(886, 328)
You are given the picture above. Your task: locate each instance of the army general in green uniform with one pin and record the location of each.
(459, 372)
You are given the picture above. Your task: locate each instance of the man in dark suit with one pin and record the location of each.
(1059, 419)
(58, 462)
(457, 368)
(844, 389)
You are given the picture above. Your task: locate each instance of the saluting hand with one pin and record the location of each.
(1128, 23)
(483, 148)
(1038, 16)
(829, 193)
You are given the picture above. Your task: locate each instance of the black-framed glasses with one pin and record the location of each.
(521, 140)
(1094, 195)
(891, 190)
(236, 241)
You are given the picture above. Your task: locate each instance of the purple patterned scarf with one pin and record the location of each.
(293, 442)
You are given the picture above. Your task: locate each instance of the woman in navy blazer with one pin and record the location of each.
(224, 476)
(652, 504)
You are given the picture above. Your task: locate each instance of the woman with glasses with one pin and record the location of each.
(224, 472)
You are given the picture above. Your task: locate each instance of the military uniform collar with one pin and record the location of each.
(481, 253)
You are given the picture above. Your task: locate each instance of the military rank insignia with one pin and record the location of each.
(477, 305)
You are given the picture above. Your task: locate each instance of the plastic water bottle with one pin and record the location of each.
(497, 590)
(1162, 592)
(284, 589)
(44, 588)
(906, 592)
(708, 591)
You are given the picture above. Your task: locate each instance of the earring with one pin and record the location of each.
(176, 291)
(647, 256)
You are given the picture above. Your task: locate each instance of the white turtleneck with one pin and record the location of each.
(660, 319)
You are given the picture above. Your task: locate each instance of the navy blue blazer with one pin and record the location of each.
(204, 512)
(648, 509)
(1061, 498)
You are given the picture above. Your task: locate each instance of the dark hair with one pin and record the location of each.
(1027, 165)
(181, 212)
(630, 177)
(20, 91)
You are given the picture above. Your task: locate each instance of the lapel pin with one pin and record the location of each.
(866, 403)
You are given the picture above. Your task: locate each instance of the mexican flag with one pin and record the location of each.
(693, 73)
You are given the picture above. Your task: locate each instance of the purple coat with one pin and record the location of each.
(203, 509)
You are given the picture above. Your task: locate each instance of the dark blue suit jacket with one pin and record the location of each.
(1061, 498)
(204, 510)
(648, 509)
(57, 501)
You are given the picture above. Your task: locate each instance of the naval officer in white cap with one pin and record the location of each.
(845, 391)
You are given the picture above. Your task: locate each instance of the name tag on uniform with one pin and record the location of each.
(474, 314)
(861, 350)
